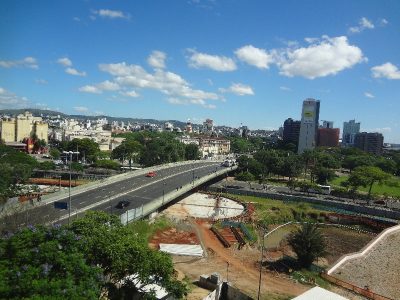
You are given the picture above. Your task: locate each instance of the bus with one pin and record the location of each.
(325, 189)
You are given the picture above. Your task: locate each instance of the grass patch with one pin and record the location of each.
(307, 276)
(270, 211)
(145, 230)
(377, 189)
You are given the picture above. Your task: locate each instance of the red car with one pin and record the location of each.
(151, 174)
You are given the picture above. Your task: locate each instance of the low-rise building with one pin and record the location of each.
(208, 146)
(371, 142)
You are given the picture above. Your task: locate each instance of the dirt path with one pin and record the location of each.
(243, 273)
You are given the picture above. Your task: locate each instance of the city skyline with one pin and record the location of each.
(234, 62)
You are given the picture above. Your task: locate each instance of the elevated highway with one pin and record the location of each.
(144, 194)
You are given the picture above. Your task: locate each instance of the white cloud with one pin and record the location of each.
(41, 81)
(168, 83)
(76, 19)
(108, 86)
(214, 62)
(132, 94)
(74, 72)
(64, 61)
(369, 95)
(311, 40)
(238, 89)
(111, 14)
(27, 62)
(383, 22)
(285, 88)
(387, 70)
(9, 100)
(157, 59)
(254, 56)
(99, 88)
(327, 56)
(90, 89)
(81, 109)
(363, 24)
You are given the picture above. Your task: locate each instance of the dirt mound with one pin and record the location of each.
(173, 236)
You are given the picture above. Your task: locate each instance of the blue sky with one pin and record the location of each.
(237, 62)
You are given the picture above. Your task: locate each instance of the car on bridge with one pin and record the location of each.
(122, 204)
(151, 174)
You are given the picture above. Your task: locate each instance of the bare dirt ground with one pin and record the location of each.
(173, 236)
(242, 269)
(341, 241)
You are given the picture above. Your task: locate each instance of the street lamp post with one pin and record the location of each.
(266, 234)
(69, 189)
(262, 255)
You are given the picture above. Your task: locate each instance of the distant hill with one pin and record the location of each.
(36, 112)
(39, 112)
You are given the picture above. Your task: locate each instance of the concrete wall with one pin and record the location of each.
(366, 249)
(355, 208)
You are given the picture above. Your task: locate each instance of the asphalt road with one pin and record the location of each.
(137, 190)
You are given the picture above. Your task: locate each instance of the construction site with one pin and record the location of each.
(214, 233)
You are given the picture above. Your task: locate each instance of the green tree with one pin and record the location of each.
(112, 246)
(46, 263)
(47, 165)
(353, 161)
(245, 176)
(291, 166)
(55, 153)
(308, 244)
(386, 164)
(39, 144)
(75, 166)
(192, 152)
(128, 150)
(324, 175)
(367, 176)
(86, 148)
(107, 164)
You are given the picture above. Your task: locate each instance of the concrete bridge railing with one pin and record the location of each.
(153, 206)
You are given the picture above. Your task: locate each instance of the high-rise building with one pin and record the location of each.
(350, 129)
(309, 125)
(22, 127)
(371, 142)
(327, 124)
(291, 131)
(328, 137)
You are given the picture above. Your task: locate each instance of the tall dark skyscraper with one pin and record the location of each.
(291, 131)
(309, 125)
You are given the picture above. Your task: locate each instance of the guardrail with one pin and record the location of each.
(364, 292)
(148, 208)
(11, 207)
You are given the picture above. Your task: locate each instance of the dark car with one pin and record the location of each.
(233, 187)
(122, 204)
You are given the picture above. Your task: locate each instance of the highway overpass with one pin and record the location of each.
(144, 194)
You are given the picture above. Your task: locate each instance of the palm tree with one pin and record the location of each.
(308, 244)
